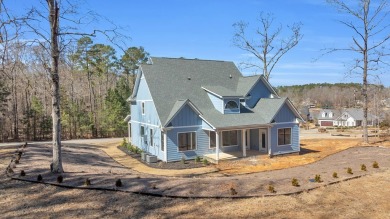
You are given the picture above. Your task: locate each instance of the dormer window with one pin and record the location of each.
(231, 105)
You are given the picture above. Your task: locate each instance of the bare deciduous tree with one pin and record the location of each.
(268, 45)
(55, 41)
(370, 26)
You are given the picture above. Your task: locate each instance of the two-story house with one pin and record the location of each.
(183, 108)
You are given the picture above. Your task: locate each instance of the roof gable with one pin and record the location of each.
(175, 83)
(177, 107)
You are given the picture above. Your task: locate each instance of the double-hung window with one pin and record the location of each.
(213, 139)
(284, 136)
(230, 138)
(162, 141)
(187, 141)
(151, 137)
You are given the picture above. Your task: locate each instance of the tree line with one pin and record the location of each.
(95, 83)
(337, 96)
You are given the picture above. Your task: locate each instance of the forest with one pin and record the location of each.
(339, 95)
(95, 83)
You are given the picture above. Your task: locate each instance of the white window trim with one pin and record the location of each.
(210, 140)
(196, 141)
(229, 145)
(277, 138)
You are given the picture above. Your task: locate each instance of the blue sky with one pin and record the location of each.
(203, 29)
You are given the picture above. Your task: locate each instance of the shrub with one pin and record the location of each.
(137, 150)
(317, 178)
(87, 182)
(60, 179)
(205, 161)
(22, 173)
(16, 161)
(349, 170)
(183, 160)
(118, 183)
(271, 189)
(294, 182)
(10, 171)
(375, 165)
(335, 175)
(124, 142)
(197, 159)
(363, 167)
(39, 178)
(233, 191)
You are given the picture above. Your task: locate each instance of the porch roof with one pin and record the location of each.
(261, 115)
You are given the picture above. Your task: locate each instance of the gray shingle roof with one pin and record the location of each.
(357, 114)
(222, 91)
(245, 84)
(171, 80)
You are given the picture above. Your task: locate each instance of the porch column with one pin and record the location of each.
(269, 143)
(165, 147)
(243, 143)
(217, 146)
(129, 130)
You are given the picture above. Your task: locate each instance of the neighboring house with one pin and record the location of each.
(352, 117)
(183, 108)
(326, 117)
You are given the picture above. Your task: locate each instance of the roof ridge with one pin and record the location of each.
(193, 59)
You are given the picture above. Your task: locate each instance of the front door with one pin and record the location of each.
(263, 140)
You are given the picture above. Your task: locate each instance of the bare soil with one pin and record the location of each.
(178, 165)
(363, 197)
(366, 197)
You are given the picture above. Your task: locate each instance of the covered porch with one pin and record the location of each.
(238, 143)
(231, 155)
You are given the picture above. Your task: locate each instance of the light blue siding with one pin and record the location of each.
(294, 147)
(206, 126)
(258, 91)
(285, 115)
(186, 117)
(149, 120)
(217, 102)
(202, 142)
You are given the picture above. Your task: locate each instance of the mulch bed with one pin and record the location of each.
(178, 165)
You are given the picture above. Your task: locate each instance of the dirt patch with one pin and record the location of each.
(312, 150)
(82, 161)
(361, 198)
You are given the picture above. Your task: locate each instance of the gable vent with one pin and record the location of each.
(189, 78)
(230, 76)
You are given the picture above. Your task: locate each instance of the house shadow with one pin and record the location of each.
(307, 151)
